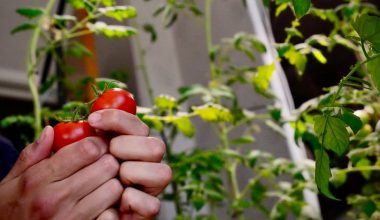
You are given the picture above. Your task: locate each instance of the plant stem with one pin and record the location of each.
(360, 169)
(363, 49)
(142, 64)
(353, 70)
(176, 193)
(231, 171)
(208, 32)
(32, 65)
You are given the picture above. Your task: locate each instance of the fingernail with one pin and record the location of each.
(94, 118)
(42, 136)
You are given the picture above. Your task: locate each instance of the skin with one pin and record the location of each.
(92, 184)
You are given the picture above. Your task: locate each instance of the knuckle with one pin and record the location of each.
(165, 173)
(29, 182)
(45, 205)
(89, 149)
(25, 155)
(110, 164)
(157, 148)
(115, 117)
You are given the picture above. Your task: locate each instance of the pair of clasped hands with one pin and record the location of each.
(91, 179)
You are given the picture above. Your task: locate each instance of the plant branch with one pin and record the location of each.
(231, 166)
(208, 32)
(169, 156)
(142, 64)
(353, 70)
(363, 49)
(360, 169)
(32, 71)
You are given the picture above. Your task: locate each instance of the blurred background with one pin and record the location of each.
(178, 57)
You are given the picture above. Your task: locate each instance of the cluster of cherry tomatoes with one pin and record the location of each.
(66, 133)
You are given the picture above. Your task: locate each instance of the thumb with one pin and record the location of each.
(33, 153)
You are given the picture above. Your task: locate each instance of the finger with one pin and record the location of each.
(109, 214)
(98, 201)
(70, 159)
(127, 147)
(138, 205)
(91, 177)
(118, 121)
(33, 153)
(152, 177)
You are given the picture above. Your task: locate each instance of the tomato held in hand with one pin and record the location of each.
(66, 133)
(115, 99)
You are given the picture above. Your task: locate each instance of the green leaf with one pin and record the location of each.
(77, 4)
(258, 45)
(258, 191)
(153, 122)
(275, 114)
(294, 32)
(77, 49)
(261, 80)
(266, 3)
(338, 178)
(296, 58)
(149, 28)
(111, 31)
(312, 140)
(185, 126)
(166, 102)
(364, 162)
(279, 211)
(374, 71)
(17, 120)
(332, 133)
(282, 49)
(243, 140)
(282, 7)
(104, 83)
(301, 7)
(119, 12)
(23, 27)
(213, 113)
(195, 10)
(319, 56)
(351, 120)
(368, 28)
(222, 91)
(107, 2)
(47, 84)
(255, 155)
(30, 12)
(189, 91)
(323, 173)
(198, 201)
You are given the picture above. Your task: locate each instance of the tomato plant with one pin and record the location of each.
(115, 98)
(66, 133)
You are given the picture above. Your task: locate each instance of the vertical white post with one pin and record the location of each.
(262, 29)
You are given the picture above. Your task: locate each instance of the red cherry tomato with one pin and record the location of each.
(66, 133)
(115, 99)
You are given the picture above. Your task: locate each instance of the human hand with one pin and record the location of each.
(141, 171)
(75, 183)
